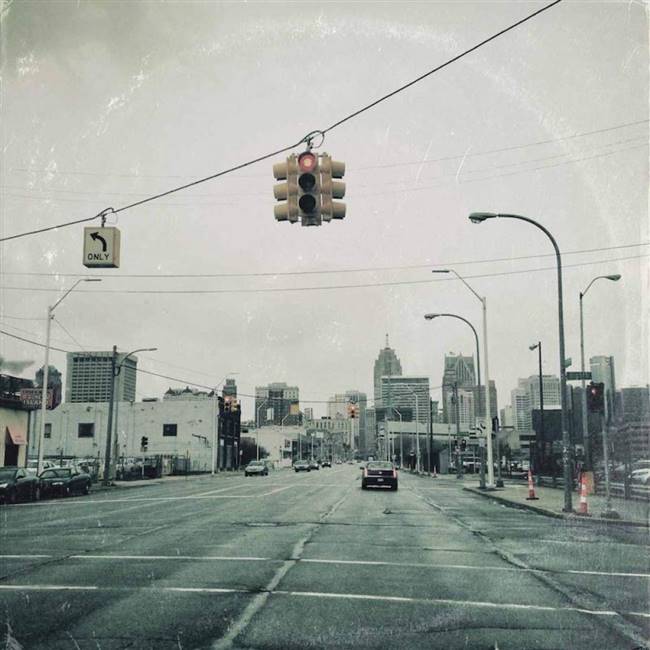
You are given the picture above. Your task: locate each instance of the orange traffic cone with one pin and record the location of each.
(531, 488)
(583, 510)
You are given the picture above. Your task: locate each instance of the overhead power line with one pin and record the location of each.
(303, 140)
(187, 382)
(264, 274)
(327, 287)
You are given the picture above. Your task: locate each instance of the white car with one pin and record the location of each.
(641, 476)
(32, 466)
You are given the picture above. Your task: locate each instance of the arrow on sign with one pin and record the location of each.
(96, 236)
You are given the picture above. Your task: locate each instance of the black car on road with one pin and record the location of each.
(379, 473)
(302, 466)
(64, 481)
(16, 484)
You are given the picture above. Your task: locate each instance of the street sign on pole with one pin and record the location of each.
(101, 248)
(573, 376)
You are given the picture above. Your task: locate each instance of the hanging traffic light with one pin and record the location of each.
(596, 397)
(309, 189)
(353, 410)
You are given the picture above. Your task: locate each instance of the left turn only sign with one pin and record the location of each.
(102, 248)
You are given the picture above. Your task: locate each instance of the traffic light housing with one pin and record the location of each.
(353, 410)
(596, 397)
(144, 443)
(309, 190)
(463, 445)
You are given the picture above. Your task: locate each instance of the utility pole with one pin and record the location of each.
(109, 426)
(459, 463)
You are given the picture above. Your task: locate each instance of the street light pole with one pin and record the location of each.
(487, 412)
(479, 217)
(585, 424)
(478, 374)
(46, 367)
(538, 347)
(116, 369)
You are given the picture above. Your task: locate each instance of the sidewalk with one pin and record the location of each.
(551, 501)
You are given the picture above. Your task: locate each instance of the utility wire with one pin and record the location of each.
(328, 287)
(272, 274)
(441, 66)
(305, 139)
(177, 379)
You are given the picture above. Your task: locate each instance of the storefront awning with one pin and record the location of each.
(18, 435)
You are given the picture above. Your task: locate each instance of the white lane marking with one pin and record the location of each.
(445, 601)
(470, 567)
(379, 563)
(203, 558)
(207, 590)
(644, 614)
(50, 588)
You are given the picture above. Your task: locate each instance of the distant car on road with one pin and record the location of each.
(379, 473)
(302, 466)
(326, 463)
(17, 484)
(64, 481)
(256, 468)
(314, 464)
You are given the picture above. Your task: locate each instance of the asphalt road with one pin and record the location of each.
(310, 560)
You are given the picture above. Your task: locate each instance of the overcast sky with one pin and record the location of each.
(104, 103)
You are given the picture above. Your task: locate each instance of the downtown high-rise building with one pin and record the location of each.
(387, 364)
(522, 418)
(405, 395)
(459, 371)
(89, 376)
(277, 404)
(550, 390)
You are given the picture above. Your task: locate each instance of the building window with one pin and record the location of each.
(170, 429)
(86, 430)
(48, 430)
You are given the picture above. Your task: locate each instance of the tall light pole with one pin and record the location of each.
(215, 423)
(46, 367)
(538, 346)
(478, 369)
(257, 428)
(116, 369)
(480, 217)
(487, 410)
(585, 428)
(417, 430)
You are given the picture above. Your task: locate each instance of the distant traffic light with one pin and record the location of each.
(353, 410)
(596, 397)
(463, 445)
(309, 190)
(144, 443)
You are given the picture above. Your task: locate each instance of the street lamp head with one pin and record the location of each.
(149, 350)
(533, 347)
(614, 278)
(92, 279)
(441, 271)
(480, 217)
(431, 316)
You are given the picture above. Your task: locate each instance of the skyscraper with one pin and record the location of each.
(88, 377)
(399, 394)
(386, 364)
(458, 370)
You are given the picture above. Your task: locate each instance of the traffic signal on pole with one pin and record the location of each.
(463, 444)
(353, 410)
(596, 397)
(144, 443)
(309, 189)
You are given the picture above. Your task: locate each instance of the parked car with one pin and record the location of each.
(302, 466)
(256, 468)
(16, 484)
(641, 476)
(64, 481)
(379, 473)
(32, 466)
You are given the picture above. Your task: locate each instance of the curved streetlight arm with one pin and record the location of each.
(118, 368)
(613, 278)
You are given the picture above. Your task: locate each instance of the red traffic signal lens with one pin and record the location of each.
(307, 161)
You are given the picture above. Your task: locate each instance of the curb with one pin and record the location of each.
(554, 514)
